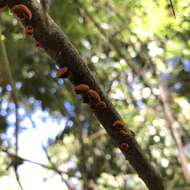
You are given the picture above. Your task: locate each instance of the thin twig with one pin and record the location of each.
(172, 124)
(55, 167)
(15, 100)
(18, 178)
(30, 161)
(172, 7)
(13, 90)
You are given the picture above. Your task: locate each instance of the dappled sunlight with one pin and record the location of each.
(59, 137)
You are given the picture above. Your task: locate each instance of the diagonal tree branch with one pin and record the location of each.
(170, 118)
(173, 127)
(5, 63)
(57, 45)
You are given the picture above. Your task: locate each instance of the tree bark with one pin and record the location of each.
(59, 48)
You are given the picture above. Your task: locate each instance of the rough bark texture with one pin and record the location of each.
(58, 47)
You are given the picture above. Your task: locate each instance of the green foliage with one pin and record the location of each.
(109, 35)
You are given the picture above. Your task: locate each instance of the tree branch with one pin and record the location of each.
(57, 45)
(32, 162)
(172, 125)
(10, 79)
(7, 68)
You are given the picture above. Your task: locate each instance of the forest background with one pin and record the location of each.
(138, 51)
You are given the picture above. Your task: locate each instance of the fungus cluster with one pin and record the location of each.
(23, 13)
(118, 124)
(101, 105)
(90, 96)
(122, 132)
(81, 88)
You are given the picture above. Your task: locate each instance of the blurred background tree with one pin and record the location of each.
(140, 54)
